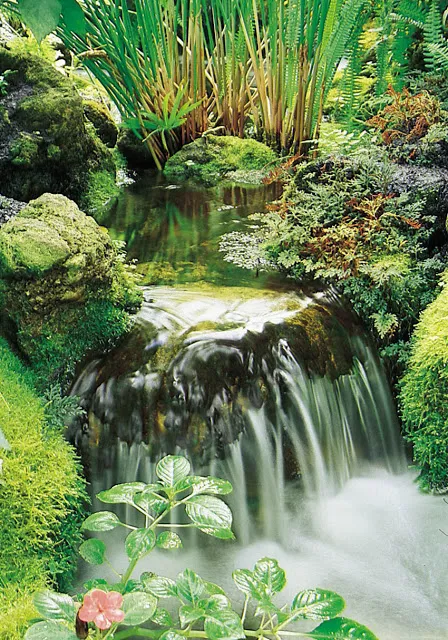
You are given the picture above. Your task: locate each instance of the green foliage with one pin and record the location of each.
(43, 17)
(338, 223)
(423, 394)
(40, 500)
(60, 409)
(204, 610)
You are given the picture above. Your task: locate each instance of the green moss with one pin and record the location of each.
(101, 190)
(25, 150)
(99, 115)
(64, 284)
(211, 159)
(41, 499)
(424, 393)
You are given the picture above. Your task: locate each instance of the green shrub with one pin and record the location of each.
(41, 499)
(424, 393)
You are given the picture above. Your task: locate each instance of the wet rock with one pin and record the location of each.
(137, 154)
(45, 144)
(103, 122)
(9, 208)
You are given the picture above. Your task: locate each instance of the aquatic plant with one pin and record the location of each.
(177, 68)
(121, 610)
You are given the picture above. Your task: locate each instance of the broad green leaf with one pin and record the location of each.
(245, 581)
(224, 625)
(171, 469)
(159, 586)
(138, 607)
(208, 512)
(55, 606)
(270, 574)
(150, 501)
(139, 543)
(191, 586)
(121, 493)
(101, 521)
(189, 613)
(41, 17)
(171, 634)
(169, 540)
(93, 551)
(50, 629)
(96, 583)
(73, 17)
(342, 629)
(213, 589)
(162, 617)
(222, 534)
(317, 604)
(204, 484)
(217, 602)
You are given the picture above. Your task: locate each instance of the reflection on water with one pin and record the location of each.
(173, 230)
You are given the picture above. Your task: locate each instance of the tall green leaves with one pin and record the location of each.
(180, 67)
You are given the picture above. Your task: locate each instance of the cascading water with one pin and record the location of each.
(281, 394)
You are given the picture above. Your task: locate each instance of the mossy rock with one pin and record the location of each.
(212, 159)
(65, 287)
(45, 144)
(99, 115)
(136, 152)
(424, 393)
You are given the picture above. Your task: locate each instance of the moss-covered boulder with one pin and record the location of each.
(46, 144)
(211, 159)
(63, 284)
(424, 394)
(99, 115)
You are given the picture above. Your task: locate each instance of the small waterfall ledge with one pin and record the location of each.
(261, 388)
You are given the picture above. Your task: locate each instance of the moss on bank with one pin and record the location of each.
(211, 159)
(424, 393)
(64, 285)
(41, 500)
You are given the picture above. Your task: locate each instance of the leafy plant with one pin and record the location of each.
(4, 81)
(44, 16)
(60, 409)
(123, 609)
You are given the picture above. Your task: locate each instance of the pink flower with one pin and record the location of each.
(102, 608)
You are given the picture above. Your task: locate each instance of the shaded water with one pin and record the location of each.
(283, 395)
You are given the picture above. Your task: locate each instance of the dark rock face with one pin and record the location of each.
(45, 145)
(9, 208)
(103, 122)
(134, 150)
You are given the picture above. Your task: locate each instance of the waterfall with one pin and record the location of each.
(264, 389)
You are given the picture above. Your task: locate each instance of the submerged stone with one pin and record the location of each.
(212, 159)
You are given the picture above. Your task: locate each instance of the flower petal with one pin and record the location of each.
(99, 597)
(102, 621)
(114, 600)
(115, 615)
(87, 613)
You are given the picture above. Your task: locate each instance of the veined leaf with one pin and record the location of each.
(171, 634)
(139, 543)
(162, 617)
(150, 501)
(168, 540)
(189, 613)
(93, 551)
(50, 629)
(221, 534)
(224, 624)
(204, 484)
(101, 521)
(159, 586)
(138, 607)
(270, 574)
(55, 606)
(342, 629)
(191, 586)
(209, 512)
(121, 493)
(316, 604)
(171, 469)
(245, 581)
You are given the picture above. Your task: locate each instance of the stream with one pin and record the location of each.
(277, 390)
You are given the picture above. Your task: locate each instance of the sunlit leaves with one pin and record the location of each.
(268, 572)
(342, 629)
(138, 607)
(55, 606)
(101, 521)
(208, 512)
(139, 543)
(205, 484)
(93, 551)
(168, 540)
(223, 624)
(159, 586)
(172, 469)
(50, 629)
(317, 604)
(121, 493)
(41, 17)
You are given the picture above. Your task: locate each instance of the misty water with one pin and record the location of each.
(280, 392)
